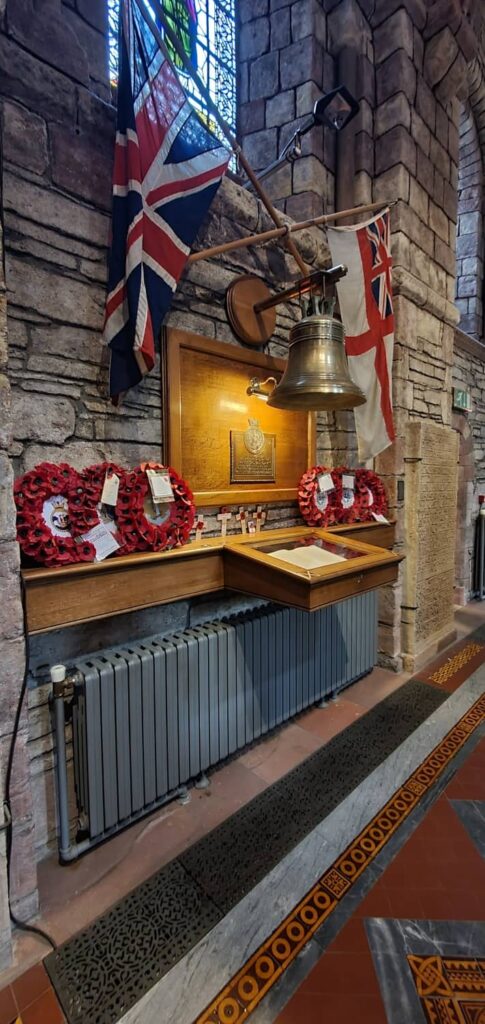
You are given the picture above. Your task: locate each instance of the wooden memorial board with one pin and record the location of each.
(230, 446)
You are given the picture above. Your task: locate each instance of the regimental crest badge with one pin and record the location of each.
(253, 455)
(55, 513)
(254, 437)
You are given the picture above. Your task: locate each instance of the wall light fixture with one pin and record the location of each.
(256, 387)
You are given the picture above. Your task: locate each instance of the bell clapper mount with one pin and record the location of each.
(251, 306)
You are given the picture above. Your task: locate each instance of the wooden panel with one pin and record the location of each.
(81, 597)
(339, 590)
(380, 534)
(263, 581)
(206, 398)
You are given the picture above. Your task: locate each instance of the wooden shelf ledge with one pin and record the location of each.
(72, 594)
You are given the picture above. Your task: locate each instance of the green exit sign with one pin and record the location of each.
(462, 400)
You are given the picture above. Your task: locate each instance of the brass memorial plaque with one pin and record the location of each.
(253, 455)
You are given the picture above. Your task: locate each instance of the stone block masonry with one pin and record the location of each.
(470, 253)
(469, 375)
(286, 62)
(11, 626)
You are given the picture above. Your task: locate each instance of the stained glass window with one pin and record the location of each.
(206, 29)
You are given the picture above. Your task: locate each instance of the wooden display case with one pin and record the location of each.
(307, 568)
(71, 594)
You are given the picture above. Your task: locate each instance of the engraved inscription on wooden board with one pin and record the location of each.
(208, 434)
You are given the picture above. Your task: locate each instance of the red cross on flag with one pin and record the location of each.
(365, 298)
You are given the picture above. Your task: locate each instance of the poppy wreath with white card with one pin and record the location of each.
(370, 495)
(88, 509)
(44, 528)
(155, 525)
(320, 504)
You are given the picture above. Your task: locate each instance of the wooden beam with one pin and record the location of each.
(267, 236)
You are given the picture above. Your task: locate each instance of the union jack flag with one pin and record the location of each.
(378, 234)
(168, 167)
(365, 299)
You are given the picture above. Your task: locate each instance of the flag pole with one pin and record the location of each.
(267, 236)
(258, 187)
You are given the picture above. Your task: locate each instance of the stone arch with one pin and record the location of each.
(469, 245)
(476, 96)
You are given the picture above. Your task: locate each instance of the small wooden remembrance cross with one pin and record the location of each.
(260, 518)
(241, 517)
(224, 517)
(199, 527)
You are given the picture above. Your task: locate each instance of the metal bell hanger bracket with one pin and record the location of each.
(251, 308)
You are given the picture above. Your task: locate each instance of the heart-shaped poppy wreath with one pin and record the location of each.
(86, 510)
(151, 530)
(341, 505)
(44, 530)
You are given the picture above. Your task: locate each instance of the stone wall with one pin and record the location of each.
(58, 148)
(469, 242)
(421, 65)
(285, 64)
(415, 65)
(11, 639)
(469, 375)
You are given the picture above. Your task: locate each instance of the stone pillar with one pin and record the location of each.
(284, 67)
(11, 644)
(469, 242)
(55, 143)
(431, 459)
(419, 65)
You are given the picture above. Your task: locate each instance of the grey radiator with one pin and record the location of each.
(151, 717)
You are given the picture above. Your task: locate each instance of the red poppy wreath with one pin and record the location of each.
(370, 495)
(43, 520)
(87, 510)
(154, 526)
(318, 505)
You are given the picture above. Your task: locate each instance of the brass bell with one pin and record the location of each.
(317, 374)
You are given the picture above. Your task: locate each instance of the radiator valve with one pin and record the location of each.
(63, 682)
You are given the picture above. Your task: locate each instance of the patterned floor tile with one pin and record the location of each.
(249, 986)
(472, 815)
(452, 991)
(450, 670)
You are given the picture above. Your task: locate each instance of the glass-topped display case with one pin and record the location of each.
(305, 567)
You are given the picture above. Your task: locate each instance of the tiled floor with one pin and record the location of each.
(30, 1000)
(437, 875)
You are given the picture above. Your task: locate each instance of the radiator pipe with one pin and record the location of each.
(58, 678)
(62, 686)
(63, 683)
(481, 551)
